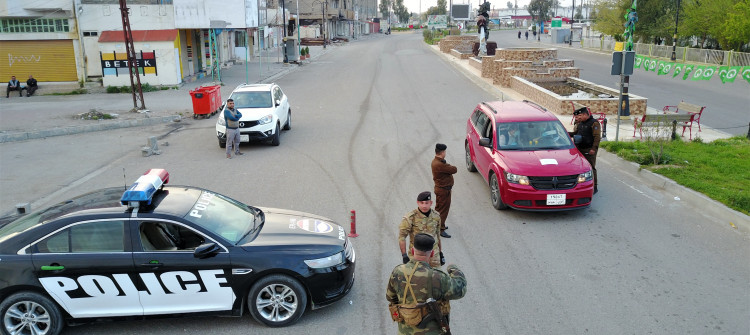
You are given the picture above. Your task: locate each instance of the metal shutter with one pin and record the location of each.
(47, 60)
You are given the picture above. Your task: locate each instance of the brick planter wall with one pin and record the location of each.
(460, 42)
(536, 55)
(561, 105)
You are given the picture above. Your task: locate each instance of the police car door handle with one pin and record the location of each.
(52, 267)
(153, 264)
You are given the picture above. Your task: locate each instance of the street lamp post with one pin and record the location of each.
(323, 5)
(674, 38)
(572, 21)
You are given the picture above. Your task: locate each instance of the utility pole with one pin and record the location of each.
(674, 38)
(572, 20)
(623, 107)
(135, 79)
(283, 33)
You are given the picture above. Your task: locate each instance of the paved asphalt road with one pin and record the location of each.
(726, 104)
(366, 118)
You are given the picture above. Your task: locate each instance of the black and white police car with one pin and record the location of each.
(164, 250)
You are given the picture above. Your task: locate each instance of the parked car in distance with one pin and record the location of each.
(527, 158)
(265, 112)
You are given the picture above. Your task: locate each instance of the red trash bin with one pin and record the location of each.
(206, 101)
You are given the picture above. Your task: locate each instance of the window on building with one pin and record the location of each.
(90, 33)
(239, 38)
(39, 25)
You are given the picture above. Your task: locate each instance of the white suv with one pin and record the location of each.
(265, 111)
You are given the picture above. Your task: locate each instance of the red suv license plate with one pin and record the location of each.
(555, 199)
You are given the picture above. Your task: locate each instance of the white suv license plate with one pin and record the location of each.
(246, 138)
(555, 199)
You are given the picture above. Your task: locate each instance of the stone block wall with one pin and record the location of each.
(459, 42)
(503, 75)
(461, 54)
(558, 63)
(476, 63)
(536, 55)
(561, 105)
(487, 67)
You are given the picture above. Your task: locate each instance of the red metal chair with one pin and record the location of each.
(684, 107)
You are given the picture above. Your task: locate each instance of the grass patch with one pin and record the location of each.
(432, 37)
(718, 169)
(73, 92)
(144, 87)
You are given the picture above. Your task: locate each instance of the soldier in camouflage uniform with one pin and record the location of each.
(413, 283)
(421, 220)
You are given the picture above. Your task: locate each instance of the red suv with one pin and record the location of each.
(527, 157)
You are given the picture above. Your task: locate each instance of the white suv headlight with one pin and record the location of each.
(516, 178)
(220, 121)
(326, 262)
(266, 119)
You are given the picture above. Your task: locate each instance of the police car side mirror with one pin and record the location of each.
(485, 142)
(577, 139)
(206, 250)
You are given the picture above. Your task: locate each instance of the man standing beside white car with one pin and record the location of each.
(232, 118)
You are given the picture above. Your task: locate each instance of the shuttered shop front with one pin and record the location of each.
(47, 60)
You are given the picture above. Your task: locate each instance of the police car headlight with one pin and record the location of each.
(516, 178)
(266, 119)
(586, 176)
(221, 121)
(326, 262)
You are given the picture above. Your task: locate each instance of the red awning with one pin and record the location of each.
(139, 35)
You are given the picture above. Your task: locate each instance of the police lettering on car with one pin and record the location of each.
(164, 250)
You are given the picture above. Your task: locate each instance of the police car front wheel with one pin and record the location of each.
(277, 301)
(30, 313)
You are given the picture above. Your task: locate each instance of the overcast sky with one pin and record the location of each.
(413, 5)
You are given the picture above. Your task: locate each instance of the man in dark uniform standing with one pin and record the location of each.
(442, 174)
(591, 133)
(414, 285)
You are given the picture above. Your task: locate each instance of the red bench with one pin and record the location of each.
(686, 108)
(661, 122)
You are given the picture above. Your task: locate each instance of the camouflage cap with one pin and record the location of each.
(423, 242)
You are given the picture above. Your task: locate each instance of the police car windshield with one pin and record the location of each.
(531, 136)
(224, 216)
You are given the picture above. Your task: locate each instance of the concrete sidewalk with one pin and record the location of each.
(42, 116)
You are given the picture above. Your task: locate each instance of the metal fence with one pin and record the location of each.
(683, 54)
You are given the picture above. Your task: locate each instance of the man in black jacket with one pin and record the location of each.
(31, 86)
(591, 133)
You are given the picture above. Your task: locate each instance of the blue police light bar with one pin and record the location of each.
(145, 187)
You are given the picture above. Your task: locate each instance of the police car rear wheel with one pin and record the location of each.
(277, 301)
(30, 313)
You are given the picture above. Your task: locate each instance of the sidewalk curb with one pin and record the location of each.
(711, 208)
(44, 133)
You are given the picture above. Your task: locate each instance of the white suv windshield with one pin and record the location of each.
(259, 99)
(530, 136)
